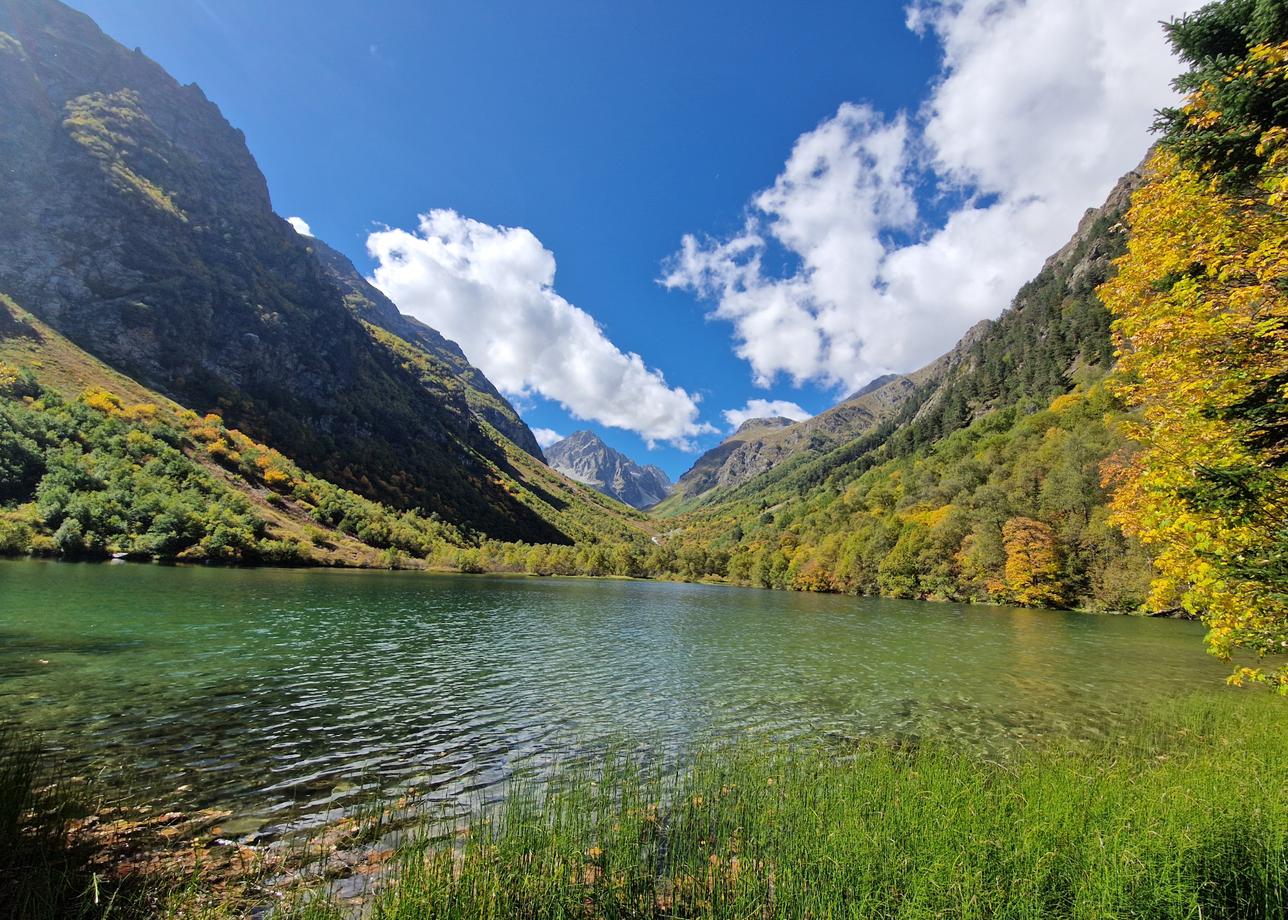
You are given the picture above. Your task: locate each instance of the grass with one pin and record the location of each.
(1184, 817)
(41, 873)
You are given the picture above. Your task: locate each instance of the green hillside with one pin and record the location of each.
(138, 225)
(92, 463)
(1009, 508)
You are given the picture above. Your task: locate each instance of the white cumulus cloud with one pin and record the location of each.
(1039, 107)
(764, 408)
(492, 290)
(301, 226)
(546, 436)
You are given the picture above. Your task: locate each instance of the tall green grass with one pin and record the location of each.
(40, 871)
(1184, 816)
(1187, 816)
(48, 871)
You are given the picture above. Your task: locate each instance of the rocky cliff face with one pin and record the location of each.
(759, 445)
(136, 222)
(725, 462)
(370, 305)
(583, 456)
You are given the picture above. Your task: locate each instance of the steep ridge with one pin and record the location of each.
(585, 457)
(749, 452)
(712, 469)
(445, 356)
(137, 223)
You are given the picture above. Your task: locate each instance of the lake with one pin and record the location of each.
(284, 694)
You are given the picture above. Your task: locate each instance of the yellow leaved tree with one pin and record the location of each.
(1032, 562)
(1201, 305)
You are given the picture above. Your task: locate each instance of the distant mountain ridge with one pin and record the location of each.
(759, 445)
(585, 457)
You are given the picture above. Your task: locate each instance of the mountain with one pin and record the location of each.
(94, 463)
(759, 445)
(722, 464)
(980, 480)
(374, 308)
(1055, 330)
(584, 456)
(137, 224)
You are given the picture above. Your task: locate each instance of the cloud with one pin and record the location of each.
(546, 436)
(764, 408)
(492, 290)
(301, 227)
(1039, 107)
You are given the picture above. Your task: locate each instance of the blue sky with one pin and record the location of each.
(610, 131)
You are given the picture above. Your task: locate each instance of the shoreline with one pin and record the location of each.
(1129, 826)
(426, 569)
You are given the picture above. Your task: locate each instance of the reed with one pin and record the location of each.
(41, 872)
(1183, 816)
(1186, 816)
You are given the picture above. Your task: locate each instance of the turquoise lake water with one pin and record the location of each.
(284, 694)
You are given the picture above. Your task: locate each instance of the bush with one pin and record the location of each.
(15, 536)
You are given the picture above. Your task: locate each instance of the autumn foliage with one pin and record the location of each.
(1201, 300)
(1032, 562)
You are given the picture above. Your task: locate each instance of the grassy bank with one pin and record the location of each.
(1186, 816)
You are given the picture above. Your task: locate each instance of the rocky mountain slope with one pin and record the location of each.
(137, 224)
(761, 444)
(585, 457)
(720, 465)
(441, 353)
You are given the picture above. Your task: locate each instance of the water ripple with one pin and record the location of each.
(288, 695)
